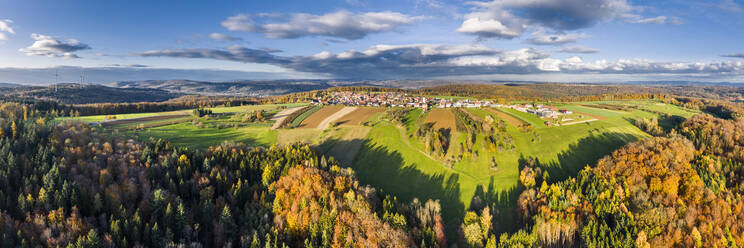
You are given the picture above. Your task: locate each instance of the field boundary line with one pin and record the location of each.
(278, 118)
(578, 122)
(137, 119)
(508, 117)
(335, 116)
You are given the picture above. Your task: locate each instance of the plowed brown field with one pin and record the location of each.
(359, 116)
(442, 118)
(316, 118)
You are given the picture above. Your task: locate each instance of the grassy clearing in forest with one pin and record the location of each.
(244, 108)
(187, 134)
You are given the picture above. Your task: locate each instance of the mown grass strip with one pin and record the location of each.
(301, 117)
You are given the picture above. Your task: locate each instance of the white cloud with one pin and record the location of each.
(51, 47)
(340, 24)
(577, 49)
(435, 60)
(5, 26)
(6, 29)
(541, 38)
(656, 20)
(240, 23)
(508, 19)
(224, 37)
(488, 28)
(574, 60)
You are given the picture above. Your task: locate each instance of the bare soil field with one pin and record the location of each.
(335, 116)
(137, 120)
(442, 118)
(359, 116)
(278, 118)
(514, 121)
(316, 118)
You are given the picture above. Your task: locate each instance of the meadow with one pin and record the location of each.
(390, 157)
(245, 108)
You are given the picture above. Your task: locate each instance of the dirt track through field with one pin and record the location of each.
(110, 123)
(442, 118)
(316, 118)
(578, 122)
(335, 116)
(359, 116)
(278, 118)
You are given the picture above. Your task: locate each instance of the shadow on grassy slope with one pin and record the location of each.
(386, 170)
(586, 151)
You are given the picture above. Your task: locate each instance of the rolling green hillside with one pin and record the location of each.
(390, 157)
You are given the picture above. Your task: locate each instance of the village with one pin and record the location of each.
(396, 99)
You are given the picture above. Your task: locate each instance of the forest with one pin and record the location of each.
(680, 189)
(68, 184)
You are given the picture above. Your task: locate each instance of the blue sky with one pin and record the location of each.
(537, 40)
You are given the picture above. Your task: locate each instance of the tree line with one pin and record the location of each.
(71, 185)
(680, 189)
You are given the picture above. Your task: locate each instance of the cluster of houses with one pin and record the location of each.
(396, 99)
(387, 99)
(540, 110)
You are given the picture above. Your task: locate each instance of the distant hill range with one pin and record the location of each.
(240, 88)
(273, 87)
(81, 94)
(164, 90)
(8, 85)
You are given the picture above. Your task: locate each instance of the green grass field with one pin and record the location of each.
(245, 108)
(529, 118)
(96, 118)
(594, 111)
(297, 121)
(389, 158)
(186, 134)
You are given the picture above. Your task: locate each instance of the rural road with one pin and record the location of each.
(335, 116)
(405, 140)
(279, 117)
